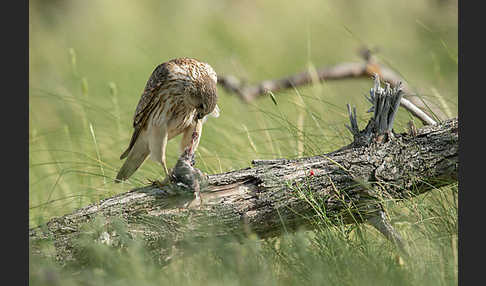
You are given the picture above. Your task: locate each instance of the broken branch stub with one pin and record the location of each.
(385, 102)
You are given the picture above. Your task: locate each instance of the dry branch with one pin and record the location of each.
(418, 106)
(349, 184)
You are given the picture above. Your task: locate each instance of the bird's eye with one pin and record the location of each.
(201, 106)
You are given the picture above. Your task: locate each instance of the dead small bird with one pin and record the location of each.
(184, 174)
(178, 97)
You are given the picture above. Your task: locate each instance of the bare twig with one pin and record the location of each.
(418, 106)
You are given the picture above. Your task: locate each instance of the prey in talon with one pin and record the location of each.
(185, 175)
(178, 97)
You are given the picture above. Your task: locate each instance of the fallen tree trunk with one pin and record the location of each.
(345, 186)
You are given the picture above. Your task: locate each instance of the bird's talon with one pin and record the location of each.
(160, 184)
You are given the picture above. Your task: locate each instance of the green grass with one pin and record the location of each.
(89, 61)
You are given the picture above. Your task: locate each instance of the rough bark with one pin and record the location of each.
(274, 194)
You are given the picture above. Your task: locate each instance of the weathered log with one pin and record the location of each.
(344, 186)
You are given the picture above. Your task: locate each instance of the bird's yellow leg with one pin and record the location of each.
(166, 180)
(163, 133)
(164, 165)
(163, 147)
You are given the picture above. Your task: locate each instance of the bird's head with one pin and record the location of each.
(204, 93)
(197, 81)
(205, 97)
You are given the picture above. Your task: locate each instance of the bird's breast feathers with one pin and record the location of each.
(173, 112)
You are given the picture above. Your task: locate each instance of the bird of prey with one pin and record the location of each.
(178, 97)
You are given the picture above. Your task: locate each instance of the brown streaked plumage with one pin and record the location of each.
(177, 98)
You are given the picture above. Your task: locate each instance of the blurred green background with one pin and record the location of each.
(89, 62)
